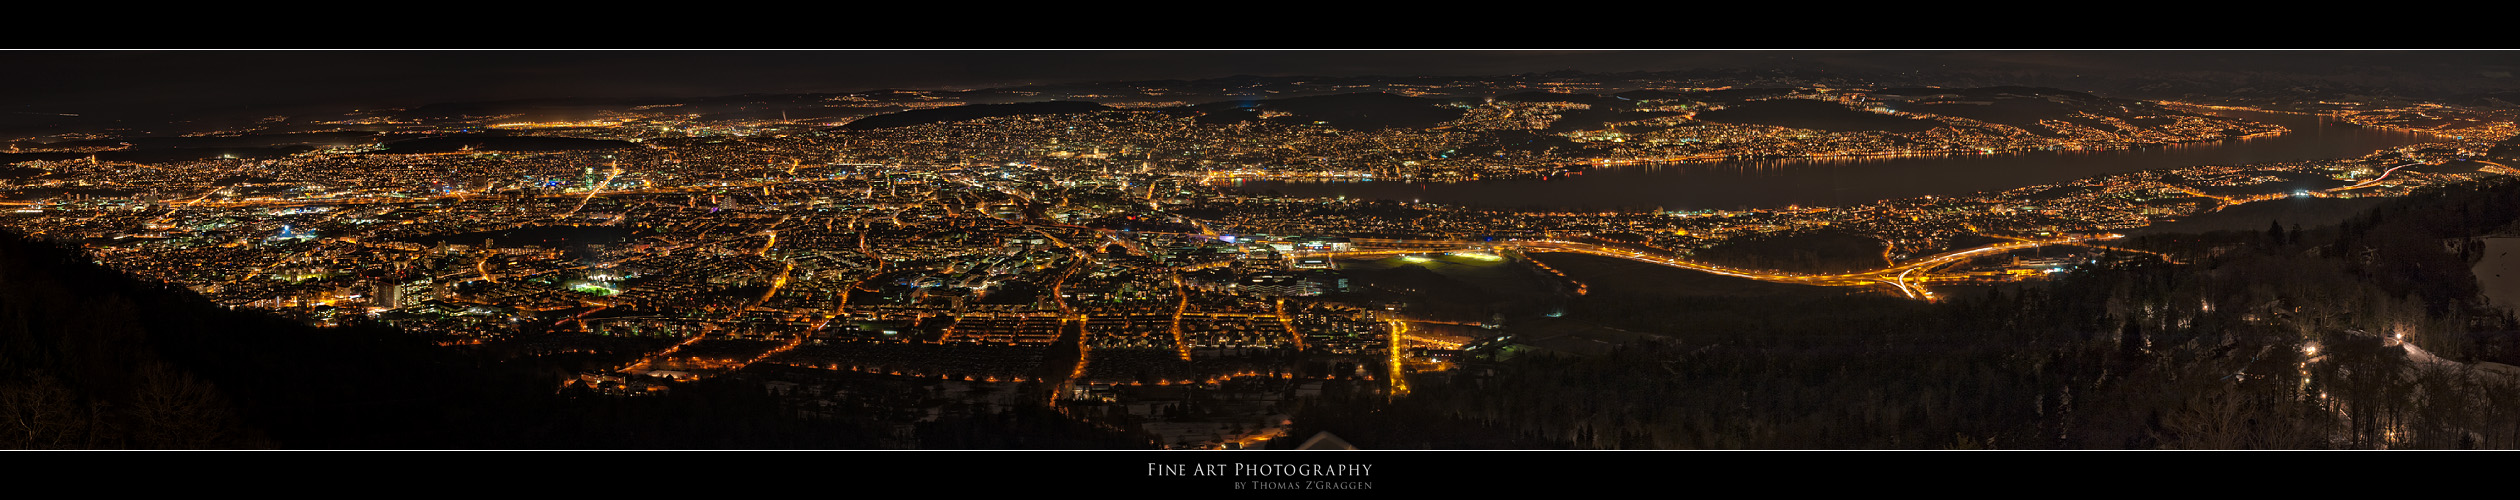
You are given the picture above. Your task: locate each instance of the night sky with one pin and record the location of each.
(289, 80)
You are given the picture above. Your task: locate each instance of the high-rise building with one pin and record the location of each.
(388, 295)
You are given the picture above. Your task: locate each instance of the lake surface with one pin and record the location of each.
(1740, 184)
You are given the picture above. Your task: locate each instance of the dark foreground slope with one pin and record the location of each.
(92, 360)
(99, 361)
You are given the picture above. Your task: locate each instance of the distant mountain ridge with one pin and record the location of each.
(1360, 111)
(972, 112)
